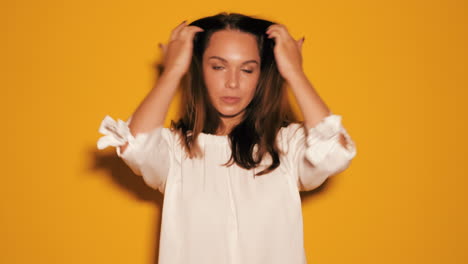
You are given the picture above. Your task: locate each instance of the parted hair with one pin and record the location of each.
(255, 136)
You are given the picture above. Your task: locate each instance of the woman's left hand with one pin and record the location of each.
(288, 51)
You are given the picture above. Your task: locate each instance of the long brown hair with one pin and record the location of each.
(269, 110)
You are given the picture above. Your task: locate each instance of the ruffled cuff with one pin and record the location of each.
(323, 139)
(116, 133)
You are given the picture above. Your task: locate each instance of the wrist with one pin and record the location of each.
(168, 81)
(172, 75)
(296, 78)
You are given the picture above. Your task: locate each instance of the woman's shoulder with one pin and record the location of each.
(289, 133)
(289, 130)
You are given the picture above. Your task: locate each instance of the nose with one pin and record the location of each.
(233, 79)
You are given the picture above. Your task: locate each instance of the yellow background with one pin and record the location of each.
(395, 70)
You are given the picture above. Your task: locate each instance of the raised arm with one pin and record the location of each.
(177, 57)
(323, 147)
(148, 148)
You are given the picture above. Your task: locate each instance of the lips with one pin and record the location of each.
(230, 99)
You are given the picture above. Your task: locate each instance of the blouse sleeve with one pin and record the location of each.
(318, 154)
(149, 154)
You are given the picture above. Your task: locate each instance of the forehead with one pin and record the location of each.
(232, 45)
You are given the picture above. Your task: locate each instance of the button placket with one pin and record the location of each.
(233, 223)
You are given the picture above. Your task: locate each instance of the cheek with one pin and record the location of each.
(211, 82)
(251, 84)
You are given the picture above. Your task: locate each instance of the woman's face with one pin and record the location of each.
(231, 68)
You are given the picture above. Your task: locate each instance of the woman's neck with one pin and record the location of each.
(227, 124)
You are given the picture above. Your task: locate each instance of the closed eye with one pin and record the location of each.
(221, 67)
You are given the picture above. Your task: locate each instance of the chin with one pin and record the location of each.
(230, 112)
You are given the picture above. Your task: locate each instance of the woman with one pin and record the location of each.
(232, 167)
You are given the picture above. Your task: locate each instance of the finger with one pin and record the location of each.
(300, 42)
(270, 28)
(278, 34)
(195, 27)
(281, 30)
(277, 27)
(175, 32)
(190, 31)
(274, 34)
(163, 48)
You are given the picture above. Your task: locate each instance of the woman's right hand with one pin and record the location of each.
(177, 54)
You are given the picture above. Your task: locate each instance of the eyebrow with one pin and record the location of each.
(245, 62)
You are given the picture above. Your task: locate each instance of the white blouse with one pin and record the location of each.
(214, 214)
